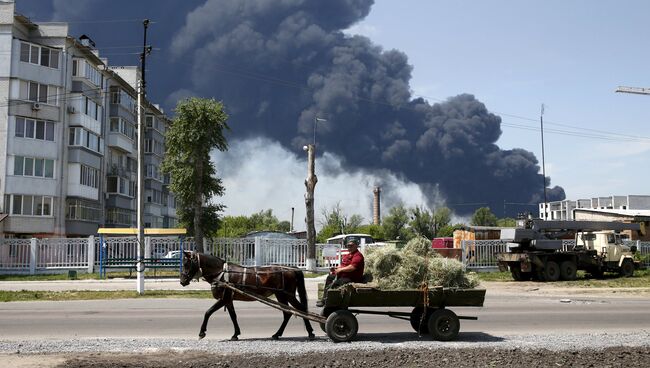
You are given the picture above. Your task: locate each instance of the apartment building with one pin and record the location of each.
(68, 155)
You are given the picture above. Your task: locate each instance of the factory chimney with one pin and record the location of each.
(376, 207)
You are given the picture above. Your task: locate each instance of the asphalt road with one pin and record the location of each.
(507, 310)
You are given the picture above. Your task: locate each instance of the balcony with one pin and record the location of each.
(120, 141)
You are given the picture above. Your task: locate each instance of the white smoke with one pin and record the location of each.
(261, 174)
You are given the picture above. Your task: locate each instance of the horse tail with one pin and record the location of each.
(302, 292)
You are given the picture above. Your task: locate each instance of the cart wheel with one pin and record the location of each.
(419, 324)
(341, 326)
(444, 325)
(325, 312)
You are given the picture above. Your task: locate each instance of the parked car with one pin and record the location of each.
(172, 254)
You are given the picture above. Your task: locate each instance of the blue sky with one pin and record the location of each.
(514, 56)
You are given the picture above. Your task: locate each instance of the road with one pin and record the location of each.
(508, 310)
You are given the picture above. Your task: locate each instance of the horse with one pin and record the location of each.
(281, 281)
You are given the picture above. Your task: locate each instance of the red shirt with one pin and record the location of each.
(355, 259)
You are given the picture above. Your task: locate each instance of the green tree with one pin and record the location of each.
(484, 217)
(197, 129)
(441, 219)
(506, 222)
(233, 227)
(395, 224)
(238, 226)
(422, 222)
(376, 231)
(336, 222)
(447, 231)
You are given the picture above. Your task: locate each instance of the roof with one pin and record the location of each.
(616, 211)
(269, 235)
(341, 236)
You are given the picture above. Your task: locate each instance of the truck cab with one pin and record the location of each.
(609, 245)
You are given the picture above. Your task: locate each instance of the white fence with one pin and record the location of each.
(96, 253)
(48, 255)
(481, 254)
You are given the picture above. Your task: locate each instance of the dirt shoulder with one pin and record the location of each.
(388, 358)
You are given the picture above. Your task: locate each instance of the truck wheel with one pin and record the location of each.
(551, 271)
(568, 270)
(326, 313)
(420, 324)
(444, 325)
(627, 268)
(341, 326)
(517, 275)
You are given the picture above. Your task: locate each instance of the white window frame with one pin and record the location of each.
(35, 54)
(48, 127)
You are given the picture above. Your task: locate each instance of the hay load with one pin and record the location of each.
(414, 264)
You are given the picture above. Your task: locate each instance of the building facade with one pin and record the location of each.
(68, 155)
(564, 210)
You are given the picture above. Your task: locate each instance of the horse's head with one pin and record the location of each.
(191, 267)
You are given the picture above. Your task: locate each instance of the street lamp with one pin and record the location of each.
(317, 120)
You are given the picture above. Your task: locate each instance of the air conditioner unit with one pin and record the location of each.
(72, 109)
(36, 106)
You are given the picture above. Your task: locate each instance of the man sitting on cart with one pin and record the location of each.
(351, 269)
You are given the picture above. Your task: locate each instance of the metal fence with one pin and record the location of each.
(99, 253)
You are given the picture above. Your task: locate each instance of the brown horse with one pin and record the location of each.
(283, 282)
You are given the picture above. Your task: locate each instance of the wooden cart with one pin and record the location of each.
(429, 314)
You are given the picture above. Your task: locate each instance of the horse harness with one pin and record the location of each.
(231, 270)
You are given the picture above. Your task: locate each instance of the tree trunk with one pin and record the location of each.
(310, 183)
(198, 207)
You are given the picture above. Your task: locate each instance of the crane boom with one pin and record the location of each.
(634, 90)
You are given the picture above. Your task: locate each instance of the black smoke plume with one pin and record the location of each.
(278, 65)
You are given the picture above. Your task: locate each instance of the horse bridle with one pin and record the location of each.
(195, 265)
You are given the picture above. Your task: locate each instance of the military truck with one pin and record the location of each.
(536, 252)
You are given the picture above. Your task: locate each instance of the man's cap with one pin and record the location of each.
(354, 240)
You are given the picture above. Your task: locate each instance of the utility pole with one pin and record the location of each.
(140, 210)
(541, 122)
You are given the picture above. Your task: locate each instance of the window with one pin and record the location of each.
(153, 172)
(92, 109)
(78, 209)
(89, 176)
(39, 55)
(30, 166)
(124, 99)
(36, 92)
(153, 146)
(84, 138)
(81, 68)
(28, 205)
(120, 125)
(119, 216)
(116, 184)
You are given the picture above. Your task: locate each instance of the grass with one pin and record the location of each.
(641, 278)
(25, 295)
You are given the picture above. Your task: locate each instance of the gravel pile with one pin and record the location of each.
(299, 345)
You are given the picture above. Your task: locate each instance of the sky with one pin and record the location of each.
(482, 70)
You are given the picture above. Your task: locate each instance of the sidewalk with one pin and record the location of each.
(311, 284)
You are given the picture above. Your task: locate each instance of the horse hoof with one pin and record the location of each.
(234, 338)
(312, 336)
(275, 337)
(201, 335)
